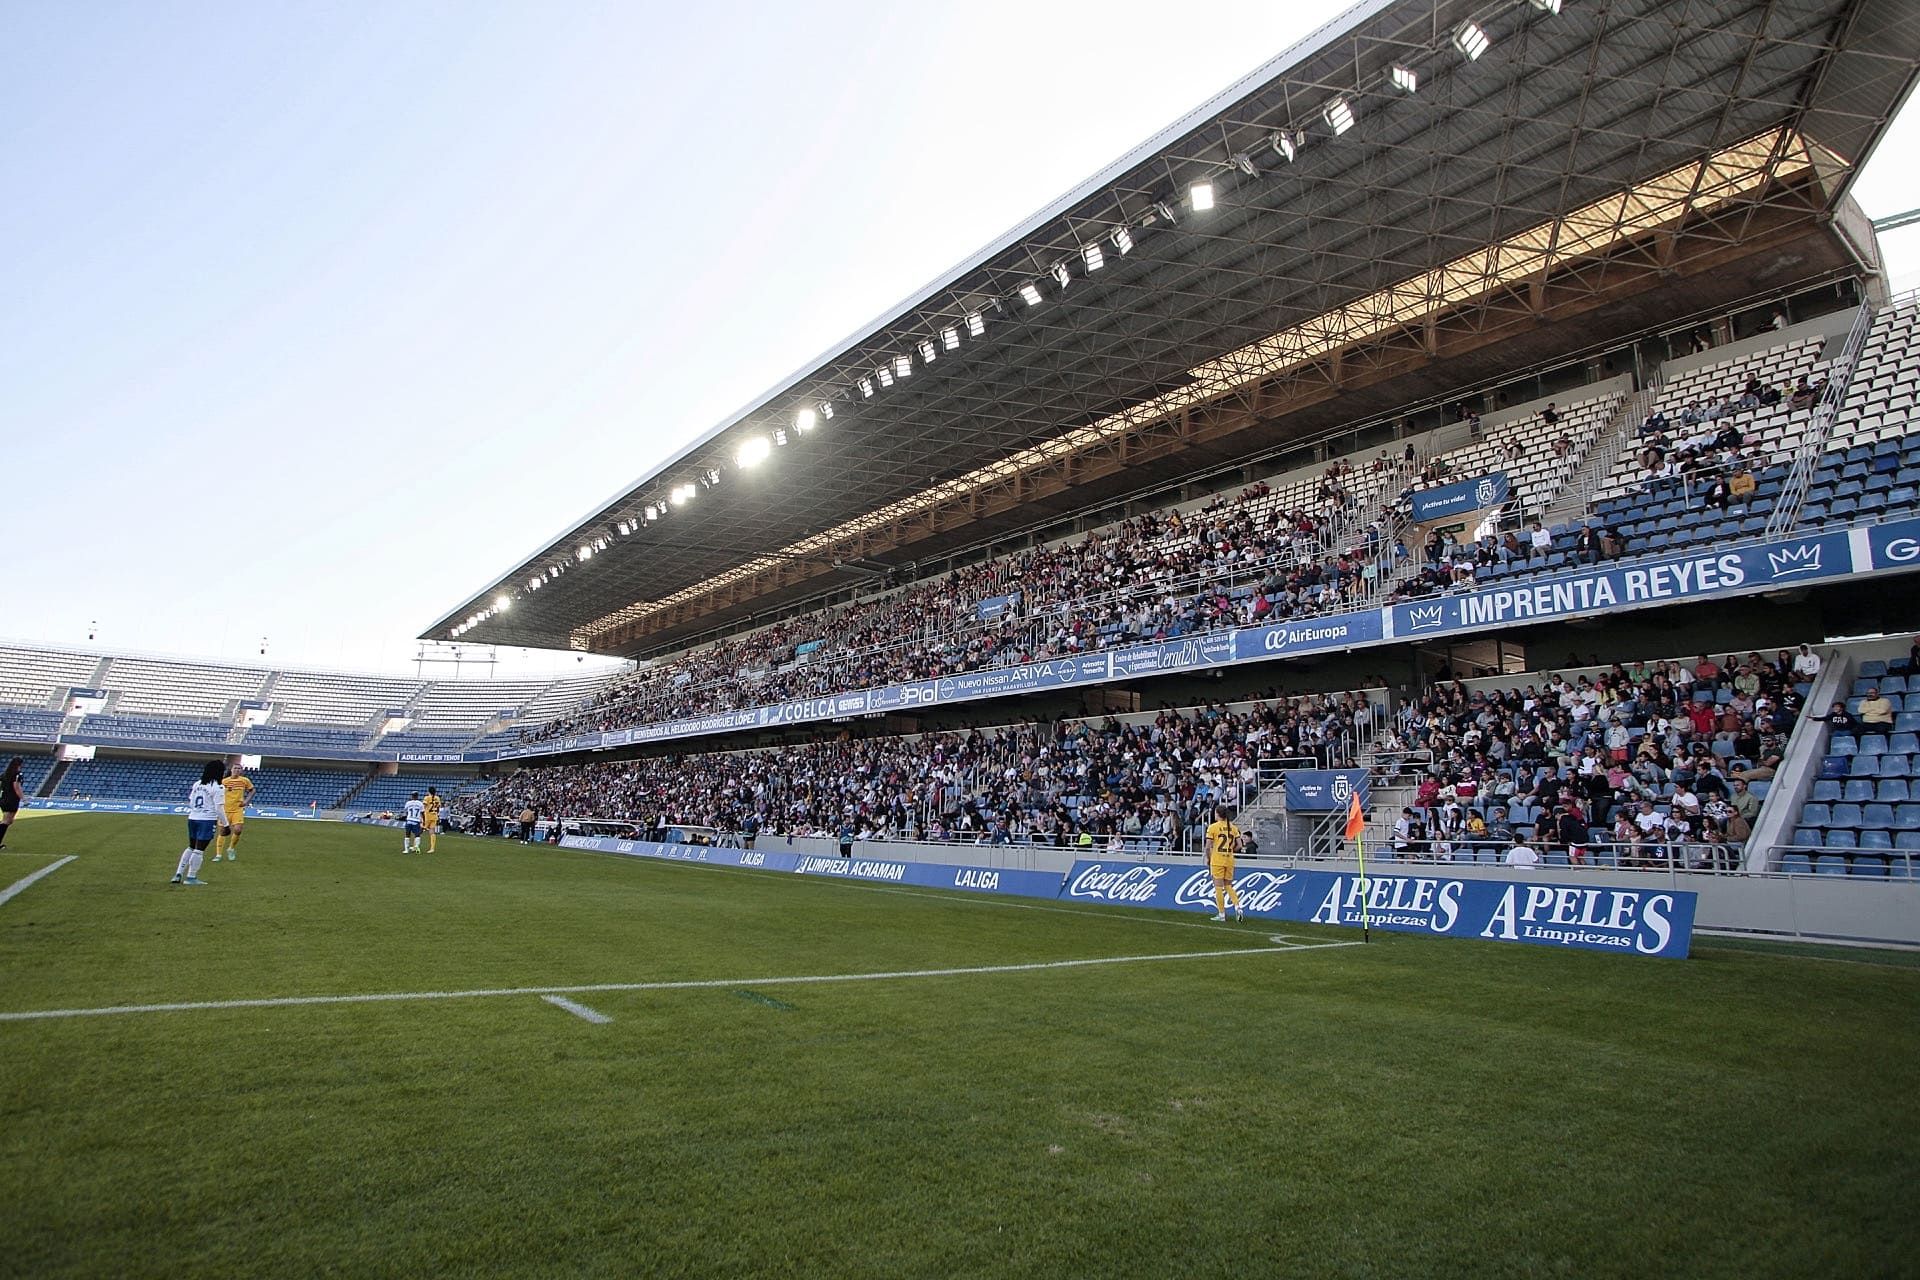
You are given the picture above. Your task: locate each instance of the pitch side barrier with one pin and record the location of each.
(1626, 921)
(70, 804)
(1705, 574)
(928, 875)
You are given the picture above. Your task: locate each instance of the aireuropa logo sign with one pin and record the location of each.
(1281, 639)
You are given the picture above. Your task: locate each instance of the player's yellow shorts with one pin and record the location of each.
(431, 826)
(1222, 868)
(235, 818)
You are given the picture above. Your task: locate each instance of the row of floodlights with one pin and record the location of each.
(1469, 38)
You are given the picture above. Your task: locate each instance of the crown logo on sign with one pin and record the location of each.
(1423, 617)
(1804, 558)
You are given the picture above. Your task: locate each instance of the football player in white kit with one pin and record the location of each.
(416, 815)
(204, 804)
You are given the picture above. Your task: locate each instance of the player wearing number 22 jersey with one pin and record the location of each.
(430, 813)
(1223, 842)
(238, 789)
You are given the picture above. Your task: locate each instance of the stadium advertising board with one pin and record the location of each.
(1325, 790)
(993, 606)
(1631, 921)
(930, 875)
(1762, 566)
(1460, 497)
(1310, 635)
(933, 875)
(69, 804)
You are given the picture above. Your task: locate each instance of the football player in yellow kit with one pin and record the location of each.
(1223, 842)
(233, 818)
(431, 808)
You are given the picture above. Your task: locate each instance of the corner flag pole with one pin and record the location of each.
(1357, 832)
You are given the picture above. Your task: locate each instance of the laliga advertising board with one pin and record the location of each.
(1631, 921)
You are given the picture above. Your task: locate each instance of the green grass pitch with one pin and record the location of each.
(1413, 1107)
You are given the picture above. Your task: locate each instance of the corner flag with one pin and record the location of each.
(1355, 829)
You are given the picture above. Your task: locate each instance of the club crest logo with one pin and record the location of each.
(1792, 561)
(1342, 788)
(1486, 492)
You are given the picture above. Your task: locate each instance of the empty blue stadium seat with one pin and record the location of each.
(1906, 817)
(1795, 864)
(1826, 789)
(1841, 838)
(1873, 744)
(1905, 742)
(1807, 836)
(1876, 840)
(1835, 767)
(1909, 840)
(1830, 864)
(1842, 744)
(1892, 766)
(1845, 815)
(1876, 815)
(1907, 722)
(1863, 767)
(1891, 790)
(1873, 667)
(1869, 865)
(1893, 684)
(1859, 789)
(1817, 815)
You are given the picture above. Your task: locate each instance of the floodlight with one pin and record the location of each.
(533, 584)
(1405, 79)
(501, 604)
(1122, 240)
(1547, 6)
(1339, 116)
(1244, 163)
(1471, 39)
(1093, 258)
(885, 375)
(753, 451)
(926, 351)
(1029, 293)
(681, 495)
(976, 324)
(623, 528)
(805, 419)
(826, 410)
(1059, 273)
(866, 388)
(1163, 211)
(1285, 145)
(585, 554)
(950, 338)
(779, 437)
(903, 366)
(652, 512)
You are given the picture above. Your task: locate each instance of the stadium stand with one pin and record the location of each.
(35, 678)
(17, 725)
(182, 690)
(307, 697)
(33, 770)
(390, 791)
(128, 778)
(470, 704)
(1860, 815)
(1643, 765)
(301, 786)
(130, 728)
(1149, 779)
(287, 739)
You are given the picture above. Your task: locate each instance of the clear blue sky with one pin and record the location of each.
(318, 317)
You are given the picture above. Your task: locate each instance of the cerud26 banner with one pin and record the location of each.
(1630, 921)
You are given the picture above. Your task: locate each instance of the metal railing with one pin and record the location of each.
(1806, 458)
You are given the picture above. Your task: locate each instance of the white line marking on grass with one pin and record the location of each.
(577, 1010)
(11, 891)
(694, 984)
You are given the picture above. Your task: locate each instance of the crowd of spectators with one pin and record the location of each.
(1232, 562)
(1656, 761)
(1069, 782)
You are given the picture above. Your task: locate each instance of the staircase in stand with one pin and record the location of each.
(52, 779)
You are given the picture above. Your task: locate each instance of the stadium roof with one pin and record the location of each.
(1415, 181)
